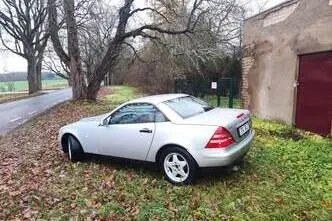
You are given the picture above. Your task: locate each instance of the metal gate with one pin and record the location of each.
(222, 95)
(314, 93)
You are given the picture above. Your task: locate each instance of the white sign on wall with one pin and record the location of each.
(214, 85)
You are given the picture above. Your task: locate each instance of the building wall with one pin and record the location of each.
(273, 41)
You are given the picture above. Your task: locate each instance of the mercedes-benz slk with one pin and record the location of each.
(178, 132)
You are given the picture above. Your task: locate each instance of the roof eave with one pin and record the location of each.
(273, 9)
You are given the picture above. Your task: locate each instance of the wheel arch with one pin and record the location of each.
(166, 146)
(64, 141)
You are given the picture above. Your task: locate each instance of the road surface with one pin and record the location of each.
(15, 113)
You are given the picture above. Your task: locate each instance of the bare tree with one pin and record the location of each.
(95, 34)
(54, 64)
(216, 34)
(81, 90)
(23, 31)
(206, 53)
(52, 61)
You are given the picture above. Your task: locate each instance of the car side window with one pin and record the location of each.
(159, 116)
(134, 113)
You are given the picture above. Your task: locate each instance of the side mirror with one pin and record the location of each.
(104, 122)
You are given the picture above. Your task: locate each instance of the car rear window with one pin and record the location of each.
(188, 106)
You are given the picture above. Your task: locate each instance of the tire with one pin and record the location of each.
(75, 151)
(178, 166)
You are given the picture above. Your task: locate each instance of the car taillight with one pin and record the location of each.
(222, 138)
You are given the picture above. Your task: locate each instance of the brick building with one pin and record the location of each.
(287, 64)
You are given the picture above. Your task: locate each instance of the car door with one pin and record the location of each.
(129, 132)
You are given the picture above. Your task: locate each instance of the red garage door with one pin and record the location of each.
(314, 95)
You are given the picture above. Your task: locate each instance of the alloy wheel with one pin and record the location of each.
(176, 167)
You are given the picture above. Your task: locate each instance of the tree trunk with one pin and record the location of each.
(93, 89)
(39, 74)
(77, 81)
(94, 85)
(103, 68)
(75, 67)
(69, 82)
(32, 75)
(88, 73)
(108, 79)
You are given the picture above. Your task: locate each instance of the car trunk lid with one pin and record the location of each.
(231, 119)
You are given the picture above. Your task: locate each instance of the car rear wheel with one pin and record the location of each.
(178, 166)
(75, 151)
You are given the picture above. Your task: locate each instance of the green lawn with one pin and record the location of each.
(285, 176)
(120, 94)
(23, 85)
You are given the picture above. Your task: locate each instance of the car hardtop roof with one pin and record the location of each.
(156, 99)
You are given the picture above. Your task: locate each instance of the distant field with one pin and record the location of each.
(23, 85)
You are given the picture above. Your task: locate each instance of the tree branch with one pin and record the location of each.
(53, 29)
(146, 9)
(135, 52)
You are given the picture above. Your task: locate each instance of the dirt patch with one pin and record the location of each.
(285, 134)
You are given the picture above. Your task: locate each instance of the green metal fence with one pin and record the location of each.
(224, 95)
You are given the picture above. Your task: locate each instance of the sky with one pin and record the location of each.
(10, 62)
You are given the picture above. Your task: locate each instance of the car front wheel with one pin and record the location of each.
(178, 166)
(75, 151)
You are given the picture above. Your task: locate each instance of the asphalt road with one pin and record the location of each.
(16, 113)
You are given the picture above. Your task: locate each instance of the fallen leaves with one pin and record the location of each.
(31, 160)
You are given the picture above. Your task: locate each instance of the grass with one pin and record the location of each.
(120, 94)
(23, 85)
(12, 97)
(285, 176)
(4, 98)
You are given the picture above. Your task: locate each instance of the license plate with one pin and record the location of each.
(243, 129)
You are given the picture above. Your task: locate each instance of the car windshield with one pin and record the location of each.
(188, 106)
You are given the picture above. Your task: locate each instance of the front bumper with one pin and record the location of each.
(225, 157)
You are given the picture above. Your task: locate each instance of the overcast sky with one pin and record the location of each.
(10, 62)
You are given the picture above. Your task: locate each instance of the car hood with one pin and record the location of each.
(89, 120)
(95, 118)
(217, 117)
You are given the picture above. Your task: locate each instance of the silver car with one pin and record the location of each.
(178, 132)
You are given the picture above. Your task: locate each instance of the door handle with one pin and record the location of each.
(145, 130)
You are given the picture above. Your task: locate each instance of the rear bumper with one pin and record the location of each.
(224, 157)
